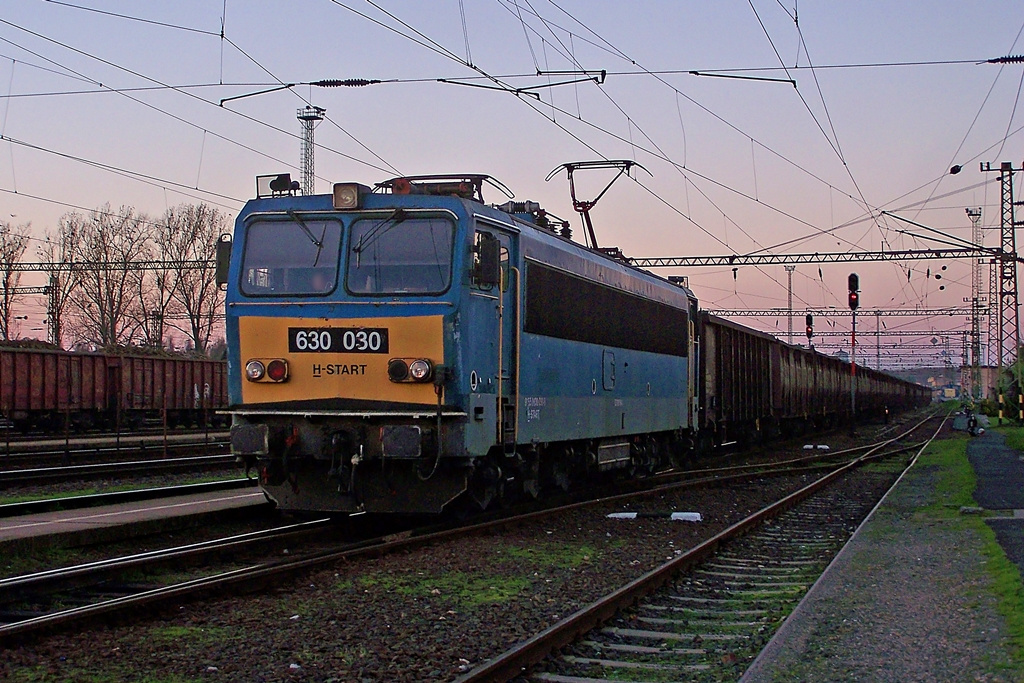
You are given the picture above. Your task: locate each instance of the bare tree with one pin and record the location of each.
(60, 247)
(157, 287)
(105, 299)
(192, 231)
(13, 241)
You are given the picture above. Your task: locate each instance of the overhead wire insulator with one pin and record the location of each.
(347, 82)
(1008, 59)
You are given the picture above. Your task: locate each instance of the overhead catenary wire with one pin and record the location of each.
(184, 92)
(135, 175)
(685, 180)
(620, 54)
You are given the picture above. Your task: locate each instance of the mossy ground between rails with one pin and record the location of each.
(954, 489)
(473, 590)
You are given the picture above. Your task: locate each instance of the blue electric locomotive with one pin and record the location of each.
(393, 350)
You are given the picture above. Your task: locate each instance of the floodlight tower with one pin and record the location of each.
(310, 117)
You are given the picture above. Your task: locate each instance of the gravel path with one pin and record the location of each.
(908, 600)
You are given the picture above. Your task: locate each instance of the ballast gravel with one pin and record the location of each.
(422, 615)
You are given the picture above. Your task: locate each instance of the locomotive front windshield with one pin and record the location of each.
(399, 254)
(291, 257)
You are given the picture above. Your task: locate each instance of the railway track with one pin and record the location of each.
(273, 572)
(152, 465)
(87, 583)
(57, 451)
(707, 613)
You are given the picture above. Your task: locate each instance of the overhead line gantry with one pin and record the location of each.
(817, 257)
(883, 312)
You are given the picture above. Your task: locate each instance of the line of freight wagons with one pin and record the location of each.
(46, 389)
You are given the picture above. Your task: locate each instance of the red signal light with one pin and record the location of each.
(853, 284)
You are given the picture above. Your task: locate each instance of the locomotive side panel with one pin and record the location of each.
(614, 361)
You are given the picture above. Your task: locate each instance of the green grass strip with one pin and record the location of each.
(955, 488)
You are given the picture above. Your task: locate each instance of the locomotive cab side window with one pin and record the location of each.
(486, 261)
(490, 261)
(400, 255)
(284, 258)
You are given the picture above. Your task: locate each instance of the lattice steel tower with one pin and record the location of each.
(976, 300)
(1009, 322)
(310, 117)
(993, 317)
(789, 276)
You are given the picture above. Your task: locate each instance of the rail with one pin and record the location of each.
(270, 573)
(518, 659)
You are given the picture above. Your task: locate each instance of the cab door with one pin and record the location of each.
(509, 321)
(490, 335)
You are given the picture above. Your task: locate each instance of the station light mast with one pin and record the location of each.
(310, 117)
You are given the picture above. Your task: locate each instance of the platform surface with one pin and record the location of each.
(908, 599)
(72, 521)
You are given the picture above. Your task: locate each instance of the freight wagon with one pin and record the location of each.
(48, 389)
(755, 387)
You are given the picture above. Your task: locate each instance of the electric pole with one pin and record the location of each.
(1009, 323)
(976, 284)
(789, 276)
(853, 283)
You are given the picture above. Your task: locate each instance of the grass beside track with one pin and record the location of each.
(955, 489)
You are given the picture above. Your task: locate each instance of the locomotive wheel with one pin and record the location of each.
(558, 469)
(486, 484)
(705, 443)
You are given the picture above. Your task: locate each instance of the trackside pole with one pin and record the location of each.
(163, 410)
(853, 374)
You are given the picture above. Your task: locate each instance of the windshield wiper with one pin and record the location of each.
(376, 231)
(319, 243)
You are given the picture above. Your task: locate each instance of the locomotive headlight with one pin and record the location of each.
(346, 196)
(420, 370)
(277, 370)
(398, 371)
(410, 370)
(254, 371)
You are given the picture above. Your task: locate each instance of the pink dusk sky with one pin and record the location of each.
(108, 101)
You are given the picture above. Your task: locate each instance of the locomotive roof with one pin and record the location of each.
(547, 247)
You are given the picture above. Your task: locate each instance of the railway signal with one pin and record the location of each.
(854, 285)
(810, 328)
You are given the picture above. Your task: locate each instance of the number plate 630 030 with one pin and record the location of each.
(337, 340)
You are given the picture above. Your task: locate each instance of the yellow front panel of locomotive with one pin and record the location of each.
(351, 375)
